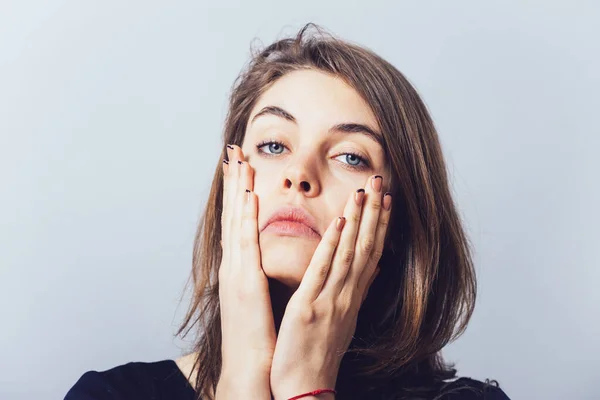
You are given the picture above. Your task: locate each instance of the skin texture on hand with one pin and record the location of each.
(321, 316)
(247, 325)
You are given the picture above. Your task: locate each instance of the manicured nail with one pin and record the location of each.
(376, 183)
(358, 196)
(239, 162)
(225, 167)
(387, 201)
(248, 194)
(230, 147)
(340, 223)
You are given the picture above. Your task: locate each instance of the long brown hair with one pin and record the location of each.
(424, 294)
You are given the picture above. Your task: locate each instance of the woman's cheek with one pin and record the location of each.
(263, 182)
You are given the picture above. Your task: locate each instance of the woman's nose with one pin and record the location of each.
(302, 177)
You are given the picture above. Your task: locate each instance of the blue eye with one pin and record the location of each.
(275, 148)
(353, 159)
(350, 160)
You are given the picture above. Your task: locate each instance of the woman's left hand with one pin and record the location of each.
(320, 318)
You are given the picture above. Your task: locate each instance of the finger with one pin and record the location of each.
(246, 196)
(224, 197)
(225, 167)
(375, 256)
(246, 175)
(249, 247)
(239, 197)
(320, 263)
(228, 149)
(365, 241)
(230, 196)
(344, 253)
(230, 235)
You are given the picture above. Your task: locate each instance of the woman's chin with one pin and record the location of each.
(286, 260)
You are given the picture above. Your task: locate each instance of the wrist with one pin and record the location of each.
(322, 396)
(298, 380)
(240, 385)
(288, 392)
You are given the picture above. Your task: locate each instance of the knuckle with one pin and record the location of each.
(355, 218)
(375, 205)
(322, 271)
(383, 223)
(307, 315)
(366, 244)
(331, 242)
(347, 256)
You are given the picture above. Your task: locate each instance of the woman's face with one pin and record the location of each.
(312, 141)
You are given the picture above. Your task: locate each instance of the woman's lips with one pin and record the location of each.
(292, 220)
(290, 228)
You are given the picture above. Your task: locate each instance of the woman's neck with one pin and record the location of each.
(280, 296)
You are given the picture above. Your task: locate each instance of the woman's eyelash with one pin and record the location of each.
(365, 163)
(266, 142)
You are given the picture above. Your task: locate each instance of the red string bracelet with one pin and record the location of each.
(313, 393)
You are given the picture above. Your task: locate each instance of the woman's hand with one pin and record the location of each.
(320, 318)
(247, 324)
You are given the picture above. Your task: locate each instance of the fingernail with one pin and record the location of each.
(376, 183)
(340, 223)
(239, 162)
(230, 147)
(248, 194)
(387, 201)
(358, 197)
(225, 167)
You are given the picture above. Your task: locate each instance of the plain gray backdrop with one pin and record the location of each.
(110, 122)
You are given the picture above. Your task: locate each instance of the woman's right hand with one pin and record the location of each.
(247, 323)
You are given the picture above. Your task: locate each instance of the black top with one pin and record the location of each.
(164, 380)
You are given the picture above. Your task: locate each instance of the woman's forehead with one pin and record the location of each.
(316, 97)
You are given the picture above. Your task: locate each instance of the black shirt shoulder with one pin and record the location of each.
(163, 380)
(471, 389)
(134, 381)
(458, 389)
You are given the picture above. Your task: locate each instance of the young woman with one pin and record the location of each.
(330, 261)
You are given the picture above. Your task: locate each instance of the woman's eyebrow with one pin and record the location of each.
(349, 127)
(276, 111)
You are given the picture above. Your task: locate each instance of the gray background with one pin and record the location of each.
(110, 118)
